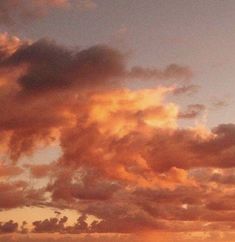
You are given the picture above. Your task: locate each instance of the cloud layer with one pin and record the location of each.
(125, 163)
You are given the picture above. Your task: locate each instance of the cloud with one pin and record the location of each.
(172, 71)
(9, 170)
(186, 89)
(40, 171)
(19, 194)
(126, 165)
(8, 227)
(227, 178)
(89, 187)
(192, 111)
(50, 66)
(219, 103)
(45, 82)
(14, 11)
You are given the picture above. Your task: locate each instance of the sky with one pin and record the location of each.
(117, 120)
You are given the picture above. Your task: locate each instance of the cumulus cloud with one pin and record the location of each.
(125, 160)
(45, 69)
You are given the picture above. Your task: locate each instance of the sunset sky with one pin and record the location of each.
(117, 120)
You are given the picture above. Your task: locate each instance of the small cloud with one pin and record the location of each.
(186, 89)
(192, 111)
(219, 103)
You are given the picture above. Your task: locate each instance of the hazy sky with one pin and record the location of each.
(117, 120)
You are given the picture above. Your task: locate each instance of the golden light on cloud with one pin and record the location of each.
(95, 146)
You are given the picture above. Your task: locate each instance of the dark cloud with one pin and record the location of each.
(228, 179)
(184, 149)
(186, 89)
(50, 66)
(19, 194)
(8, 227)
(12, 11)
(192, 111)
(50, 225)
(88, 187)
(171, 72)
(40, 171)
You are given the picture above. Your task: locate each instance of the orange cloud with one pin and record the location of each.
(125, 161)
(9, 170)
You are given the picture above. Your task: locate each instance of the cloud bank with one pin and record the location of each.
(125, 160)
